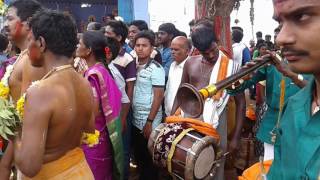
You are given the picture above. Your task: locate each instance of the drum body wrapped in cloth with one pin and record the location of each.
(184, 152)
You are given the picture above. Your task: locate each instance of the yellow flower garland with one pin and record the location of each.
(20, 106)
(91, 139)
(4, 91)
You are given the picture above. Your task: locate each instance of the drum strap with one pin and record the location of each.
(199, 126)
(173, 147)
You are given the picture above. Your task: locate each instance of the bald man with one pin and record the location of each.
(180, 47)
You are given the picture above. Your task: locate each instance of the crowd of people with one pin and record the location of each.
(88, 103)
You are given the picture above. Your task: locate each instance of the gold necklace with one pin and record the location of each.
(56, 69)
(21, 101)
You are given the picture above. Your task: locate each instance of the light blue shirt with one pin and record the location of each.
(151, 75)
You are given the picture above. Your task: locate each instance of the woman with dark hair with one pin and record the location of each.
(93, 47)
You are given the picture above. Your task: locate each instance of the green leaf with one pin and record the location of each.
(4, 136)
(8, 131)
(4, 115)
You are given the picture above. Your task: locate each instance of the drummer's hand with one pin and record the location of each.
(233, 145)
(147, 129)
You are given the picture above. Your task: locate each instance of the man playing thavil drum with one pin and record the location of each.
(297, 147)
(55, 110)
(212, 66)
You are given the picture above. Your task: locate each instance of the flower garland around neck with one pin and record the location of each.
(91, 139)
(4, 83)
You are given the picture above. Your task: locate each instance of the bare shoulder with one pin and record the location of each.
(194, 59)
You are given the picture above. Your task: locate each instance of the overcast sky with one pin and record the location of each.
(263, 11)
(180, 12)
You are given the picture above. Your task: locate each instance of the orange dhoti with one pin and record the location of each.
(73, 165)
(256, 171)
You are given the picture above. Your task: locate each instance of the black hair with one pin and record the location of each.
(237, 35)
(259, 34)
(3, 42)
(192, 22)
(168, 28)
(96, 41)
(119, 28)
(114, 46)
(140, 24)
(25, 8)
(205, 22)
(261, 45)
(181, 33)
(260, 41)
(237, 27)
(95, 26)
(148, 34)
(58, 30)
(202, 38)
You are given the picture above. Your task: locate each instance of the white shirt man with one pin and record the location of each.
(241, 53)
(174, 80)
(180, 48)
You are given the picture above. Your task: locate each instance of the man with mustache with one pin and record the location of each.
(297, 147)
(208, 68)
(57, 110)
(180, 48)
(279, 80)
(17, 30)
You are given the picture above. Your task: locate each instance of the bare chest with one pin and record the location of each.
(200, 74)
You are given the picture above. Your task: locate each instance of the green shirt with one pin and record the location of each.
(297, 148)
(273, 78)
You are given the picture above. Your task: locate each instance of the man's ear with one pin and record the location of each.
(27, 24)
(171, 36)
(119, 38)
(43, 44)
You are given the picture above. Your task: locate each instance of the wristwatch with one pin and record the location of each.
(149, 120)
(300, 77)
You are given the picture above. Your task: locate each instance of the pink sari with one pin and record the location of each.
(106, 158)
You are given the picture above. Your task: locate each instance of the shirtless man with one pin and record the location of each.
(17, 30)
(200, 71)
(56, 113)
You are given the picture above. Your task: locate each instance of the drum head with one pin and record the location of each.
(204, 162)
